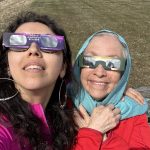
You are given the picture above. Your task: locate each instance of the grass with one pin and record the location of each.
(130, 18)
(80, 18)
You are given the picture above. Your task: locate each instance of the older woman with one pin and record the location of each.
(101, 72)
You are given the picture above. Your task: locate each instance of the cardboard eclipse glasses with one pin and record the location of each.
(22, 41)
(108, 63)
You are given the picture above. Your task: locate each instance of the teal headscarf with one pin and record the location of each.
(128, 107)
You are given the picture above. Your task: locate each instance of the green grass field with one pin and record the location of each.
(130, 18)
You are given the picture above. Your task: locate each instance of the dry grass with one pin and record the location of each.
(130, 18)
(9, 8)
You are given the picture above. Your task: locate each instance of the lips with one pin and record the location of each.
(98, 82)
(34, 66)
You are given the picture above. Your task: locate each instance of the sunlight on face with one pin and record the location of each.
(99, 82)
(34, 70)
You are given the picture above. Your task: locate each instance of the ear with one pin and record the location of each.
(63, 70)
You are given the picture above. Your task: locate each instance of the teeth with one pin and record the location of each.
(98, 83)
(34, 67)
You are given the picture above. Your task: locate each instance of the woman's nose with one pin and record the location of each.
(100, 71)
(34, 50)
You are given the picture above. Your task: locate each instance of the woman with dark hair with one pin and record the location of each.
(102, 68)
(35, 65)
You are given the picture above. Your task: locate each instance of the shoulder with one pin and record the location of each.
(127, 126)
(142, 119)
(135, 130)
(5, 138)
(138, 131)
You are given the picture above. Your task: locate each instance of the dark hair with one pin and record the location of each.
(18, 112)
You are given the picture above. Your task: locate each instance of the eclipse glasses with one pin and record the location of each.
(108, 63)
(22, 41)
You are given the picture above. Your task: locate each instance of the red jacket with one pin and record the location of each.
(130, 134)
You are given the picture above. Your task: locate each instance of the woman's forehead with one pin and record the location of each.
(107, 45)
(34, 28)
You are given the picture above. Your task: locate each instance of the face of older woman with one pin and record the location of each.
(99, 82)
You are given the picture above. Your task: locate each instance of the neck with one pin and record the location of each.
(38, 96)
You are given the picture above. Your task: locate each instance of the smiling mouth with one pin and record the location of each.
(34, 68)
(97, 83)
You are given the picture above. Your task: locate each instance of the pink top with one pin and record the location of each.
(9, 141)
